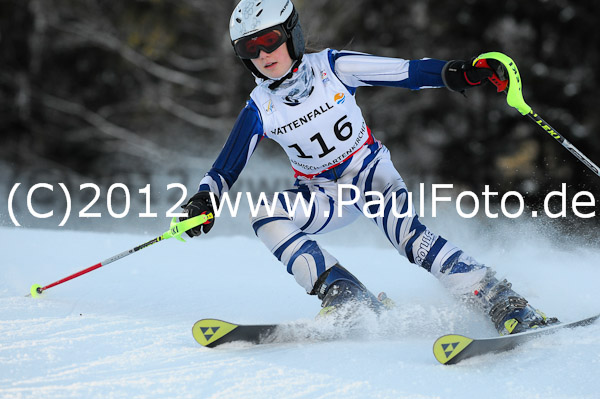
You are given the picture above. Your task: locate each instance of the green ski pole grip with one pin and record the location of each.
(178, 228)
(514, 96)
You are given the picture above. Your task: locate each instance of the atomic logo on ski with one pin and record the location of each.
(208, 331)
(449, 346)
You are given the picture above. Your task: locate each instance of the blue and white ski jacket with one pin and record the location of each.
(326, 133)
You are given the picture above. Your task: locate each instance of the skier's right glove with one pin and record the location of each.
(460, 75)
(200, 204)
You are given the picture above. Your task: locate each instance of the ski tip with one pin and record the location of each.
(447, 347)
(35, 291)
(208, 331)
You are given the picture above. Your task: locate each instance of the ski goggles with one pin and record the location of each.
(267, 40)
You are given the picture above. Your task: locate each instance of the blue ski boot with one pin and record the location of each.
(342, 293)
(509, 311)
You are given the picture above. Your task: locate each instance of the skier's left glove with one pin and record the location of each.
(200, 204)
(461, 75)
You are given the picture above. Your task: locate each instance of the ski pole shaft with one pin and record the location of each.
(565, 143)
(175, 230)
(514, 96)
(100, 264)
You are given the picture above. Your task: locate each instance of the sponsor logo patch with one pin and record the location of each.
(269, 107)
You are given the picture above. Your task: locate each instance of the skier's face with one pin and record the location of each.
(273, 65)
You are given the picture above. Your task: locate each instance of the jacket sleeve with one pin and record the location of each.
(360, 69)
(245, 136)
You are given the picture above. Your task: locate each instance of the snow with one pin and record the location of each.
(124, 330)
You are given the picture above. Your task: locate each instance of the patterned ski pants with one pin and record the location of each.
(375, 190)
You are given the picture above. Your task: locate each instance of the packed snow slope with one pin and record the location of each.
(125, 330)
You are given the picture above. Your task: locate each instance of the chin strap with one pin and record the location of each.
(294, 69)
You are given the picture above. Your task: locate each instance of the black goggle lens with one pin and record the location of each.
(249, 47)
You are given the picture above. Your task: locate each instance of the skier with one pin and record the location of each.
(306, 103)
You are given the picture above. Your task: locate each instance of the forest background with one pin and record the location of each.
(105, 91)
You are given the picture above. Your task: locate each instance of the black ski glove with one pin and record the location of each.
(461, 75)
(200, 204)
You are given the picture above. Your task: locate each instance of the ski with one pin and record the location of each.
(214, 332)
(453, 348)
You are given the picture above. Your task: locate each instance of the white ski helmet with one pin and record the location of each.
(253, 18)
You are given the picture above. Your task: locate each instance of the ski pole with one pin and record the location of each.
(514, 96)
(175, 230)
